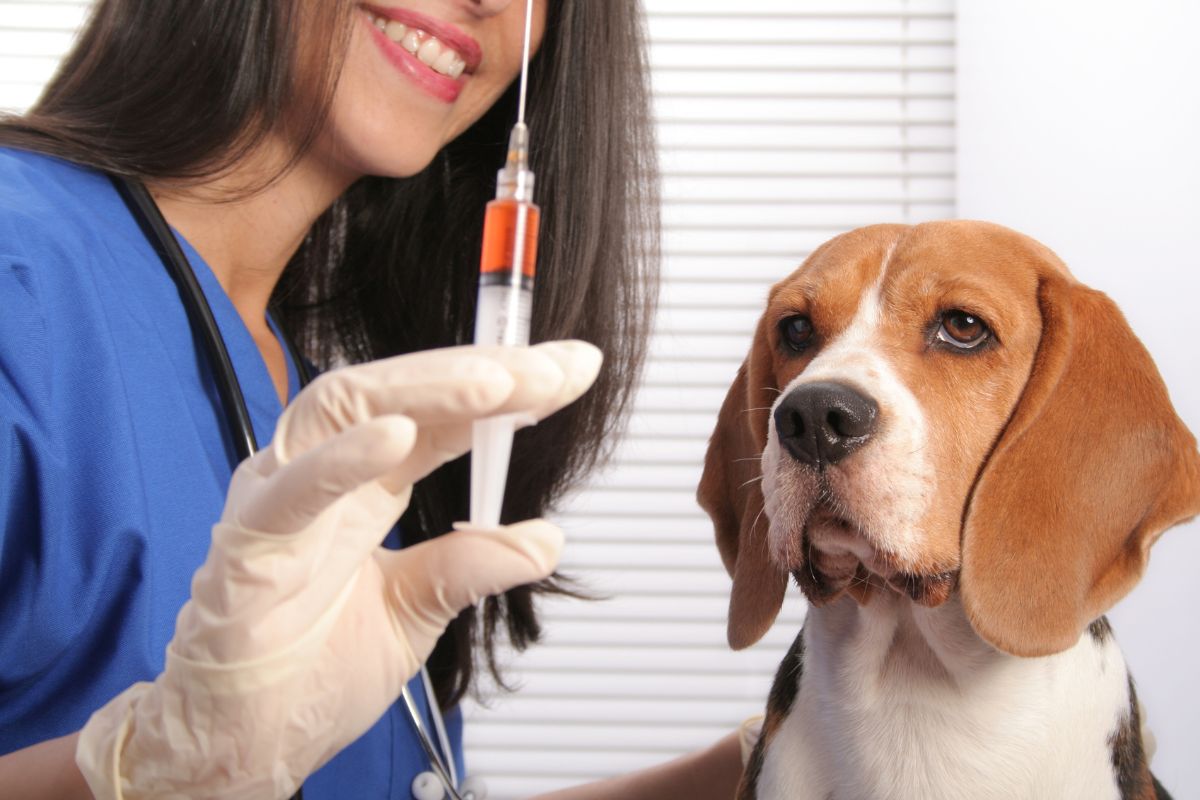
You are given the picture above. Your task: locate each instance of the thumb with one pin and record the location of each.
(430, 583)
(503, 557)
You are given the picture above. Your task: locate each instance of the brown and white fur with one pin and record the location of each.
(959, 518)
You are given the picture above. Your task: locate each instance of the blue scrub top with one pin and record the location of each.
(114, 462)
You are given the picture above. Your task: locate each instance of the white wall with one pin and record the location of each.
(1079, 123)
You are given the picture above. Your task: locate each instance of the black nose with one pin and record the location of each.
(822, 423)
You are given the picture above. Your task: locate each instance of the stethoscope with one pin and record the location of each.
(442, 777)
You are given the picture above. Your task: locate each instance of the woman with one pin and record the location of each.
(328, 161)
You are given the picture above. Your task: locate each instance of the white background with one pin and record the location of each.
(1079, 123)
(781, 123)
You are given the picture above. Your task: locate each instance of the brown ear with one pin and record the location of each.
(1092, 467)
(731, 492)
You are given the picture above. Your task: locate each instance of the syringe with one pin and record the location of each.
(506, 273)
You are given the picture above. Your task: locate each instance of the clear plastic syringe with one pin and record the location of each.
(506, 272)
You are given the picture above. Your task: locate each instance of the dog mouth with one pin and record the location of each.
(838, 557)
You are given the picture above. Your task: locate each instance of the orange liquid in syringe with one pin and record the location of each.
(500, 238)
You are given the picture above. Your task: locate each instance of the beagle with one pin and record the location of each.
(962, 456)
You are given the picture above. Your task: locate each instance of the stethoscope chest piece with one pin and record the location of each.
(427, 786)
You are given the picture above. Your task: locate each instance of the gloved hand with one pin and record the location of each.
(301, 630)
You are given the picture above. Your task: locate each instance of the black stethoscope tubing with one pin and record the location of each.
(158, 233)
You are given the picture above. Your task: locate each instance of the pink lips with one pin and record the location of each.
(440, 86)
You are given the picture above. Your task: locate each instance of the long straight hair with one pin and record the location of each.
(183, 90)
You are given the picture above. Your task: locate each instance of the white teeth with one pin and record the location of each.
(426, 48)
(429, 52)
(444, 62)
(452, 67)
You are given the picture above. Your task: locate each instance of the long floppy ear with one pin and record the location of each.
(731, 492)
(1092, 467)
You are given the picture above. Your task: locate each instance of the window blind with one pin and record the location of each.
(34, 35)
(781, 123)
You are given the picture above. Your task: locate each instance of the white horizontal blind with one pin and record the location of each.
(34, 34)
(781, 123)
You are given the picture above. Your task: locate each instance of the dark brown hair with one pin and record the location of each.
(158, 89)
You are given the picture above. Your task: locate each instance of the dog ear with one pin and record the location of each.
(1091, 468)
(731, 492)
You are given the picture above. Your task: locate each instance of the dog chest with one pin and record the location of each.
(883, 726)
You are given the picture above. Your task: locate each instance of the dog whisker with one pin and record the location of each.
(754, 524)
(752, 480)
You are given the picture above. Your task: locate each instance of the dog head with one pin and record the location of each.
(937, 408)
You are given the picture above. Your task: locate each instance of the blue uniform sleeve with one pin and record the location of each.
(106, 442)
(57, 597)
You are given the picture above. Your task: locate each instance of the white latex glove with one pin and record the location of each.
(301, 630)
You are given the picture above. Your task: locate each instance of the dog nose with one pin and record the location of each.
(823, 422)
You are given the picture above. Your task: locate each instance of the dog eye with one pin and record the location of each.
(796, 331)
(963, 330)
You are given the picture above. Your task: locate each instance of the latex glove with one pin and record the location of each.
(301, 630)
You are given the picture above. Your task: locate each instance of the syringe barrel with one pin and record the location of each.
(506, 272)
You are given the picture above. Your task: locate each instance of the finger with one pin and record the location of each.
(432, 582)
(290, 547)
(296, 494)
(522, 553)
(432, 388)
(579, 363)
(455, 381)
(435, 446)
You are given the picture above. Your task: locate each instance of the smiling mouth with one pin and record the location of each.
(435, 54)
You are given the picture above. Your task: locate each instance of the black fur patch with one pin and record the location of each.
(1128, 756)
(1100, 630)
(787, 680)
(779, 704)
